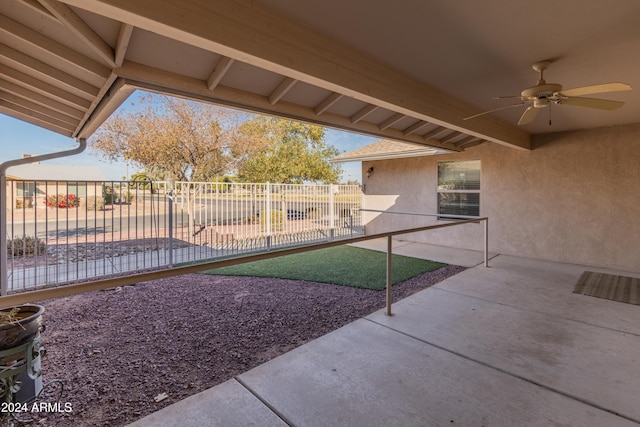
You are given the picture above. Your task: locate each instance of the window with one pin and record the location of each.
(26, 189)
(459, 188)
(77, 188)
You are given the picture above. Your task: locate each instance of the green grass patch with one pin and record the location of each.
(340, 265)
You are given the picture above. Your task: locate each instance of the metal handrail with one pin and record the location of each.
(466, 219)
(67, 290)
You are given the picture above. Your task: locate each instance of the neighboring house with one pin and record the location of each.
(385, 150)
(30, 185)
(575, 197)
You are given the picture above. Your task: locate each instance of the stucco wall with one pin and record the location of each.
(574, 198)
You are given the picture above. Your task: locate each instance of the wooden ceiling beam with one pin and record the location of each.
(328, 102)
(415, 127)
(115, 92)
(221, 69)
(153, 79)
(46, 72)
(33, 42)
(36, 6)
(466, 140)
(391, 121)
(80, 28)
(434, 132)
(45, 101)
(363, 113)
(33, 106)
(43, 88)
(257, 35)
(281, 90)
(122, 43)
(448, 138)
(478, 141)
(24, 115)
(23, 111)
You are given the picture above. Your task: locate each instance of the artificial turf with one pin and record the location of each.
(340, 265)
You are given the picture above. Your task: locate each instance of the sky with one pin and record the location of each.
(18, 138)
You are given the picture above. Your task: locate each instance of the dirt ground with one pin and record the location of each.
(118, 350)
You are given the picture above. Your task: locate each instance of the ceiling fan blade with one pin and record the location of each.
(588, 90)
(507, 97)
(600, 104)
(494, 110)
(528, 116)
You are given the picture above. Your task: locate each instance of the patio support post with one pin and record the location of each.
(389, 270)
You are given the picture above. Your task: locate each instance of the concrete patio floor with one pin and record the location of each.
(509, 345)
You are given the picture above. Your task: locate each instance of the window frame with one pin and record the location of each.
(440, 191)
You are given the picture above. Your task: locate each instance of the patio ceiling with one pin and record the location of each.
(402, 70)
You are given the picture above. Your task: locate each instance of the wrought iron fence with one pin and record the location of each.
(61, 232)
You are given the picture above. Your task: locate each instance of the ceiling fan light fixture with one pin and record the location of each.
(540, 103)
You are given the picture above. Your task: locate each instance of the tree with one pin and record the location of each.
(175, 138)
(291, 152)
(140, 176)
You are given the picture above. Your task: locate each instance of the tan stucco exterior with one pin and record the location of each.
(574, 198)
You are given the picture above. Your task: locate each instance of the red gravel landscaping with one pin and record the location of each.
(117, 350)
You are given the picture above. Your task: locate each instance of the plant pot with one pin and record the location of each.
(26, 326)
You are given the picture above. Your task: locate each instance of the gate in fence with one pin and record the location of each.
(62, 232)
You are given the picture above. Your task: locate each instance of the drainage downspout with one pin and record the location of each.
(4, 278)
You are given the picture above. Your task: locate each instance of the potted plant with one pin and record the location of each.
(19, 325)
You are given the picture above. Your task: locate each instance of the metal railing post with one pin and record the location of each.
(170, 213)
(389, 274)
(170, 228)
(351, 224)
(267, 215)
(4, 253)
(486, 242)
(332, 214)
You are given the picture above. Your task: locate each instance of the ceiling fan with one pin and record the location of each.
(543, 93)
